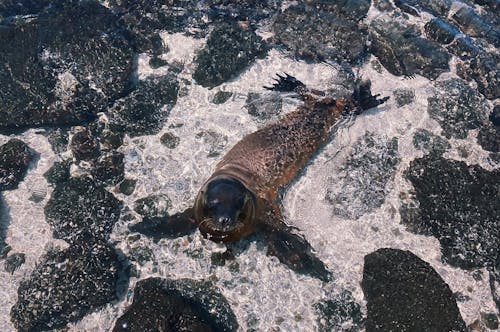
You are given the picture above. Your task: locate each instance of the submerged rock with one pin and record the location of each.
(177, 305)
(402, 51)
(404, 293)
(317, 35)
(109, 168)
(15, 157)
(145, 109)
(263, 107)
(350, 9)
(441, 31)
(84, 145)
(458, 108)
(360, 186)
(154, 206)
(229, 50)
(341, 313)
(59, 172)
(435, 7)
(404, 97)
(66, 285)
(483, 69)
(476, 26)
(427, 142)
(458, 204)
(48, 69)
(81, 205)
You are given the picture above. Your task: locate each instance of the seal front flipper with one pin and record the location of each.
(179, 224)
(362, 97)
(295, 252)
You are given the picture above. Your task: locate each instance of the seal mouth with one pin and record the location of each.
(224, 210)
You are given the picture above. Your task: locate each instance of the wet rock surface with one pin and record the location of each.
(15, 158)
(404, 293)
(427, 142)
(49, 71)
(360, 186)
(177, 305)
(80, 205)
(145, 109)
(318, 35)
(263, 107)
(458, 108)
(66, 285)
(229, 50)
(341, 313)
(402, 51)
(458, 204)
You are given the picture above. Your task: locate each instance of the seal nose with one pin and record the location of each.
(224, 220)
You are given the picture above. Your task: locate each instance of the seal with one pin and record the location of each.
(241, 196)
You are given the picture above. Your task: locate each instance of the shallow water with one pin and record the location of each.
(264, 294)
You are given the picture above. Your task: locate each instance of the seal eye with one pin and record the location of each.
(224, 209)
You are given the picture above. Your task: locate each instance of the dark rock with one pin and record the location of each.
(58, 139)
(475, 26)
(404, 97)
(264, 107)
(495, 116)
(402, 51)
(383, 5)
(483, 69)
(495, 286)
(318, 35)
(154, 206)
(489, 138)
(24, 7)
(84, 145)
(435, 7)
(339, 312)
(350, 9)
(360, 186)
(441, 31)
(145, 109)
(157, 62)
(229, 50)
(464, 47)
(170, 140)
(81, 205)
(54, 55)
(221, 97)
(109, 168)
(14, 261)
(15, 157)
(490, 320)
(4, 225)
(458, 204)
(127, 186)
(59, 172)
(404, 293)
(66, 285)
(458, 108)
(252, 11)
(220, 258)
(216, 142)
(427, 142)
(177, 305)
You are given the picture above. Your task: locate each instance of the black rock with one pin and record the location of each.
(458, 204)
(4, 225)
(109, 168)
(349, 9)
(252, 11)
(154, 206)
(402, 51)
(84, 145)
(157, 62)
(337, 313)
(66, 285)
(441, 31)
(458, 108)
(229, 50)
(464, 47)
(177, 305)
(427, 142)
(489, 138)
(14, 261)
(170, 140)
(127, 186)
(54, 54)
(58, 139)
(15, 157)
(318, 35)
(23, 7)
(404, 293)
(81, 205)
(221, 97)
(145, 109)
(59, 172)
(360, 186)
(475, 26)
(483, 70)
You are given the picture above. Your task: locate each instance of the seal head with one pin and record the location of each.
(225, 209)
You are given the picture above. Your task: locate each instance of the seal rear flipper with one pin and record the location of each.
(362, 97)
(295, 252)
(177, 225)
(288, 83)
